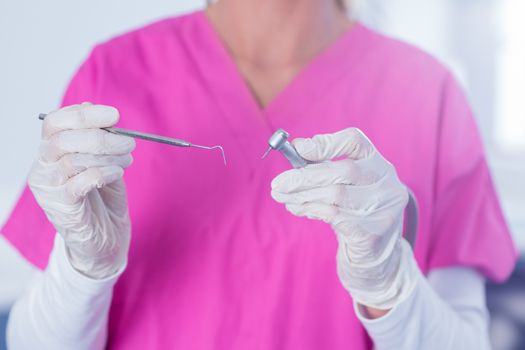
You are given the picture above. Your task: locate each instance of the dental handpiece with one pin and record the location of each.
(154, 138)
(279, 141)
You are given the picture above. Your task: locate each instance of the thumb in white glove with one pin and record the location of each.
(363, 200)
(77, 180)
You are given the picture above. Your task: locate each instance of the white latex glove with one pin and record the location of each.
(77, 180)
(363, 200)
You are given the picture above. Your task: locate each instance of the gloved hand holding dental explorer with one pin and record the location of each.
(363, 200)
(77, 180)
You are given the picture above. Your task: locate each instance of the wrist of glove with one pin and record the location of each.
(363, 200)
(100, 249)
(383, 286)
(77, 180)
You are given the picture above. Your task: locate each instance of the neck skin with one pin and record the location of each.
(278, 32)
(271, 40)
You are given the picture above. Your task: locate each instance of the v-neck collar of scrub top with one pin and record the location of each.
(252, 125)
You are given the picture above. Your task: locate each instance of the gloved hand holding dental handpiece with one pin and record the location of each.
(363, 200)
(77, 180)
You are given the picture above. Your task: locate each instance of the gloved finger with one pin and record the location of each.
(347, 172)
(317, 211)
(350, 142)
(80, 185)
(354, 200)
(73, 164)
(82, 116)
(93, 141)
(330, 195)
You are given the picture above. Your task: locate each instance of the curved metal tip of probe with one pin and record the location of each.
(222, 152)
(214, 147)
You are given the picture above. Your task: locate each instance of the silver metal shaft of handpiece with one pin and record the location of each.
(155, 138)
(279, 141)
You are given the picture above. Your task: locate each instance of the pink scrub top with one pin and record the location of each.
(214, 262)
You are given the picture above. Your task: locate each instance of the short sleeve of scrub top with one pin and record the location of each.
(466, 202)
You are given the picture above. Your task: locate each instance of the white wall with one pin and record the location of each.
(41, 45)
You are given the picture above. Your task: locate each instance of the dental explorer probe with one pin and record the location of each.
(154, 138)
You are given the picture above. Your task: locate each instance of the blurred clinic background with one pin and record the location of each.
(482, 41)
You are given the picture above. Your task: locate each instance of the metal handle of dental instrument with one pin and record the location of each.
(154, 138)
(279, 141)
